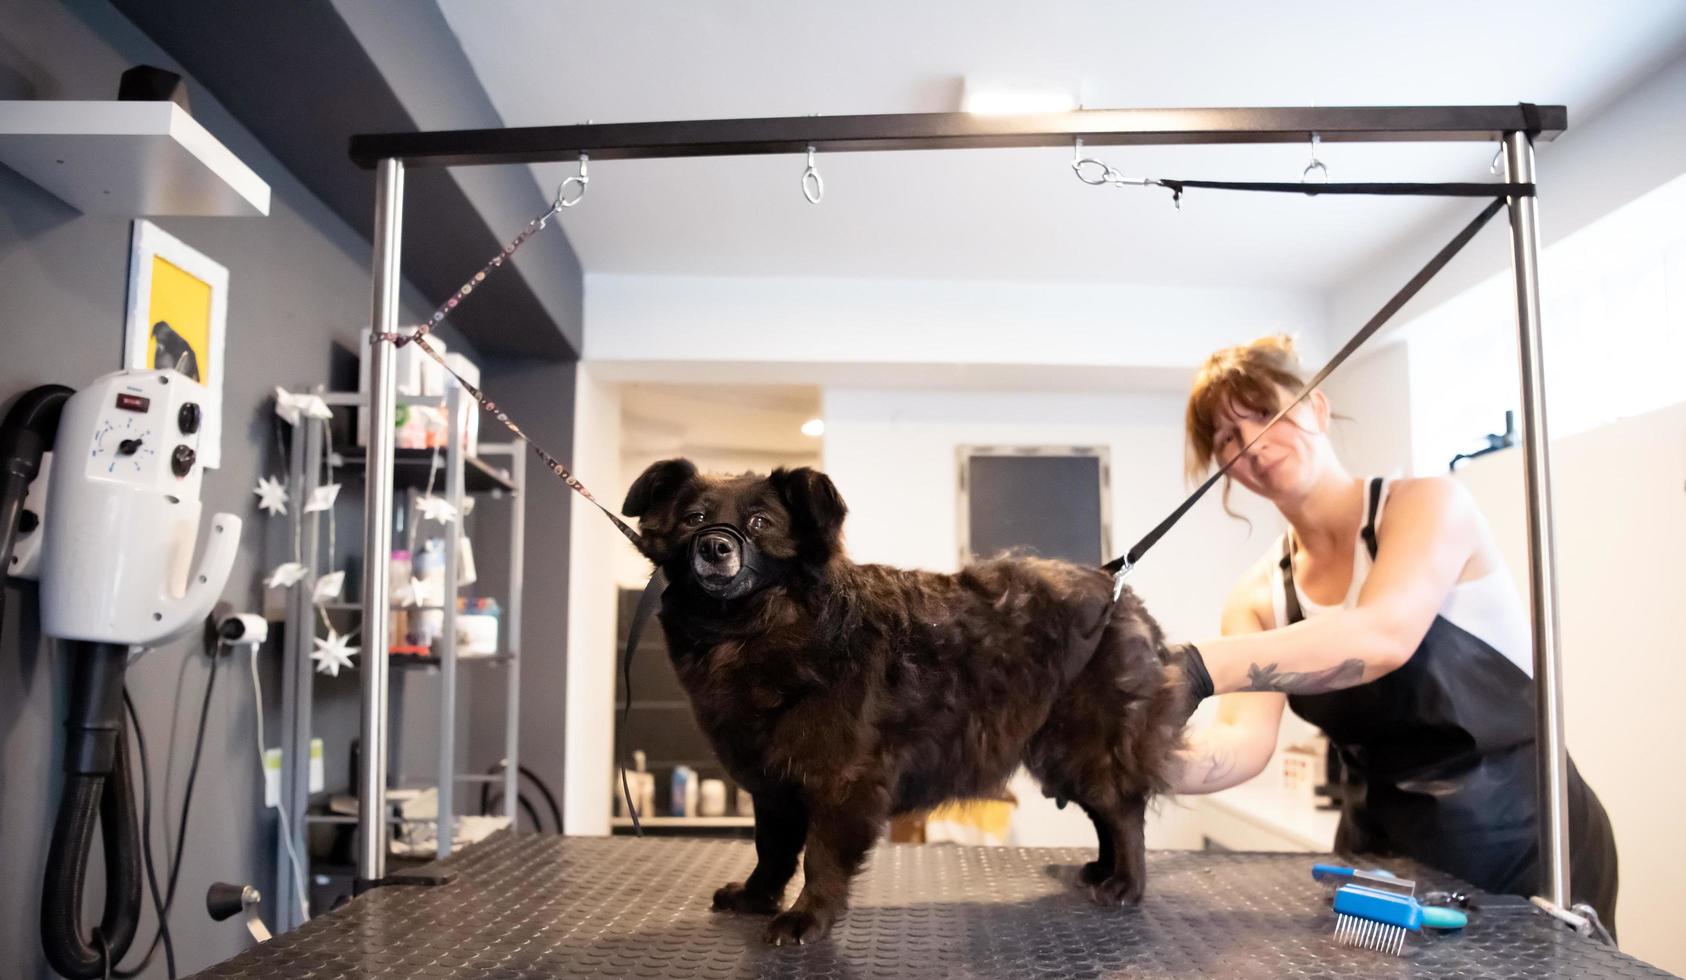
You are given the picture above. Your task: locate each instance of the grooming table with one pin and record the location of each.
(546, 907)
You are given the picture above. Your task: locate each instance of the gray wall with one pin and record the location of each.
(299, 290)
(541, 396)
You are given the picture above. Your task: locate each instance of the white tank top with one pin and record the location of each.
(1489, 608)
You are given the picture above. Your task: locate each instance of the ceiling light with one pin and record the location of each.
(996, 99)
(814, 427)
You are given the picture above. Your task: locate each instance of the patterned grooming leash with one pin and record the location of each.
(566, 197)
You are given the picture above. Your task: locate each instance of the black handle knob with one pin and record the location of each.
(128, 447)
(181, 461)
(188, 419)
(223, 900)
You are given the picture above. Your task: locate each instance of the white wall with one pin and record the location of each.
(892, 454)
(593, 548)
(1619, 497)
(1139, 332)
(1372, 393)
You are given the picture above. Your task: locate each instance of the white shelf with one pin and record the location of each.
(134, 159)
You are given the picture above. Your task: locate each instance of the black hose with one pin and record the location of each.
(96, 782)
(26, 433)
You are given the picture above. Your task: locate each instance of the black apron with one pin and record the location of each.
(1439, 763)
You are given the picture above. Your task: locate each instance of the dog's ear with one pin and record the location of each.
(657, 486)
(815, 506)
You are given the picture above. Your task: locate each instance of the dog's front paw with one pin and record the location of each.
(1094, 873)
(1117, 890)
(796, 927)
(736, 898)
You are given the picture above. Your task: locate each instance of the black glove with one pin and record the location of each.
(1197, 683)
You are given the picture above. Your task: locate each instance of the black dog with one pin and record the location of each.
(841, 694)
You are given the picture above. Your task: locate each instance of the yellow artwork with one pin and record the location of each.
(179, 321)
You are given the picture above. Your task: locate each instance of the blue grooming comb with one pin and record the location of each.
(1376, 909)
(1374, 919)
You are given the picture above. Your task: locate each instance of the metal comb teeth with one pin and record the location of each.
(1351, 930)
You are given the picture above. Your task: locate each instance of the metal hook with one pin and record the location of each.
(813, 185)
(1498, 154)
(580, 180)
(1102, 172)
(1315, 163)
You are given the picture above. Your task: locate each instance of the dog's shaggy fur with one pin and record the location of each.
(840, 694)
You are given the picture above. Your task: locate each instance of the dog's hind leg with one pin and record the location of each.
(781, 826)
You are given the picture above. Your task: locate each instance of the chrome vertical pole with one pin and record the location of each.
(377, 524)
(512, 629)
(1553, 759)
(446, 814)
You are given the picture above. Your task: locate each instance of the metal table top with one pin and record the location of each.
(549, 907)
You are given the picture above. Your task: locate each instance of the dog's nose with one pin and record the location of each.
(716, 547)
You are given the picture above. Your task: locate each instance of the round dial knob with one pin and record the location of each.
(181, 461)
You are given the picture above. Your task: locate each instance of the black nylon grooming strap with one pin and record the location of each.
(647, 604)
(1315, 188)
(1369, 329)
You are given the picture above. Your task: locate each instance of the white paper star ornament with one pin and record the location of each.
(290, 406)
(329, 586)
(322, 498)
(332, 653)
(272, 496)
(436, 509)
(285, 574)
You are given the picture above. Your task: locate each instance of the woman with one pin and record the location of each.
(1384, 616)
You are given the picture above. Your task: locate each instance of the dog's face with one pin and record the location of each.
(734, 536)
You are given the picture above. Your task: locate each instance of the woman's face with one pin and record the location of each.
(1283, 463)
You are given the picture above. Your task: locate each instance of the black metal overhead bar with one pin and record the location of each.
(957, 131)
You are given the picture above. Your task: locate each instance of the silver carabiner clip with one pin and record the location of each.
(580, 180)
(813, 185)
(1118, 579)
(1104, 175)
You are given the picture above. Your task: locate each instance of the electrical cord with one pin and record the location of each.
(526, 807)
(158, 905)
(539, 784)
(286, 829)
(181, 827)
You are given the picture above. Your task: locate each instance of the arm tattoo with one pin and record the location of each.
(1268, 678)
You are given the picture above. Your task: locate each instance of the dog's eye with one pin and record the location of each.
(757, 522)
(694, 519)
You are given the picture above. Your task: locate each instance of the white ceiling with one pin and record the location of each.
(718, 421)
(1020, 214)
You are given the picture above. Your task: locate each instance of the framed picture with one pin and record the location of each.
(178, 315)
(1052, 501)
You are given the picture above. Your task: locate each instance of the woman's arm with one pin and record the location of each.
(1235, 747)
(1432, 530)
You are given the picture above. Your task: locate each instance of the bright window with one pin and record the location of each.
(1613, 309)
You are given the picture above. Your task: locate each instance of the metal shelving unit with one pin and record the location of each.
(462, 475)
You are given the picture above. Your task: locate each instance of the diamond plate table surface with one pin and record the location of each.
(526, 906)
